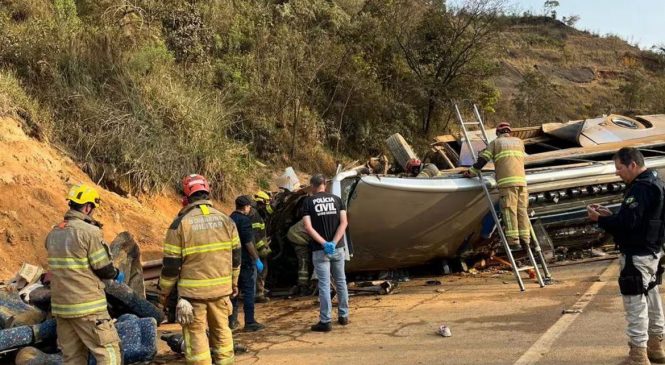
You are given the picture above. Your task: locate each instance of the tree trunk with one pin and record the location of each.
(431, 104)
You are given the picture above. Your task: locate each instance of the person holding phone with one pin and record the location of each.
(637, 229)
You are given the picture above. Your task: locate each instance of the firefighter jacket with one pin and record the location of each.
(260, 237)
(78, 258)
(508, 155)
(297, 234)
(630, 225)
(201, 253)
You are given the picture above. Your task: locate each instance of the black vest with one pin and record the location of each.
(649, 236)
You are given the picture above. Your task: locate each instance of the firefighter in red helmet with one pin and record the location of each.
(508, 154)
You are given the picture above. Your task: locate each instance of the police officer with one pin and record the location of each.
(508, 155)
(250, 265)
(638, 231)
(78, 260)
(202, 255)
(325, 222)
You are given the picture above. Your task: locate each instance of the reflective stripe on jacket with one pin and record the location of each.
(508, 155)
(258, 226)
(201, 253)
(75, 248)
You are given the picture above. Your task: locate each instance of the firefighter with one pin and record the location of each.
(298, 236)
(79, 260)
(508, 155)
(264, 205)
(202, 255)
(259, 215)
(638, 229)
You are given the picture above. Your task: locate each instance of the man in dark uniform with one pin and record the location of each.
(250, 264)
(638, 232)
(325, 222)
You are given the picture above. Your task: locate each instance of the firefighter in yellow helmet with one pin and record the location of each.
(260, 217)
(202, 256)
(78, 261)
(508, 155)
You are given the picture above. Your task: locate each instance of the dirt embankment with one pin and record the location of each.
(34, 179)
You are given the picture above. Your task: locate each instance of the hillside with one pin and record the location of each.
(554, 72)
(34, 180)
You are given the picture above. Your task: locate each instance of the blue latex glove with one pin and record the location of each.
(329, 248)
(259, 265)
(121, 277)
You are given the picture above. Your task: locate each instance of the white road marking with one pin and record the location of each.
(544, 343)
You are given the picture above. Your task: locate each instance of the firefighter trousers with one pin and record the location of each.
(261, 279)
(304, 261)
(514, 202)
(212, 314)
(94, 333)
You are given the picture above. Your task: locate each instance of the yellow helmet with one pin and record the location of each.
(81, 194)
(262, 196)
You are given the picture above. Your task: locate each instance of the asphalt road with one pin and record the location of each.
(492, 322)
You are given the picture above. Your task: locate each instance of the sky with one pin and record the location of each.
(637, 21)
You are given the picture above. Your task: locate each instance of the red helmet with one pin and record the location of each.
(503, 126)
(193, 183)
(413, 166)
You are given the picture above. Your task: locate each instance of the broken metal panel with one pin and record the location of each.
(466, 157)
(401, 222)
(399, 228)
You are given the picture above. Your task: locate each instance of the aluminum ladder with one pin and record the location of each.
(483, 183)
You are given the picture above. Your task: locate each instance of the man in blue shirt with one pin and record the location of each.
(249, 265)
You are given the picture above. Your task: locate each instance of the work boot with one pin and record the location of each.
(239, 348)
(261, 299)
(322, 327)
(343, 321)
(636, 356)
(234, 324)
(515, 246)
(253, 327)
(305, 290)
(655, 349)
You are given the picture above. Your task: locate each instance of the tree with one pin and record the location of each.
(549, 8)
(447, 50)
(571, 20)
(535, 100)
(634, 90)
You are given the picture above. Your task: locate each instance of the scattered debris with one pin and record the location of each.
(444, 331)
(127, 258)
(571, 311)
(25, 304)
(28, 274)
(432, 282)
(373, 287)
(177, 344)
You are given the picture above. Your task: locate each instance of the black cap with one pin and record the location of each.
(243, 200)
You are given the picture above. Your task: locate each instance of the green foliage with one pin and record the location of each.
(633, 91)
(535, 101)
(15, 102)
(145, 91)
